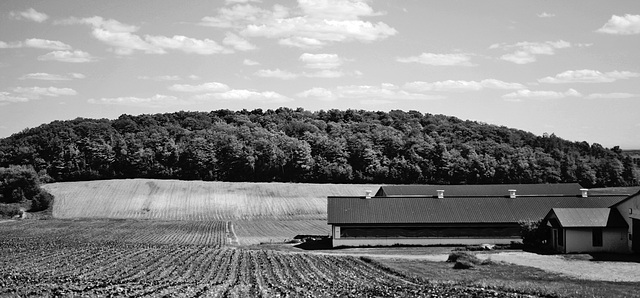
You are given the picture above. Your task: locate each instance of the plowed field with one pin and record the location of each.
(177, 259)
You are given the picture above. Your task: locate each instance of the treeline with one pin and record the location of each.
(352, 146)
(20, 188)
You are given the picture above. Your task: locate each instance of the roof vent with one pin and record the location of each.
(512, 193)
(440, 193)
(585, 192)
(368, 194)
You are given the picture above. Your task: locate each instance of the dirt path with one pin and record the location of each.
(582, 269)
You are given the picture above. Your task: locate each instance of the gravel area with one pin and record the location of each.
(582, 269)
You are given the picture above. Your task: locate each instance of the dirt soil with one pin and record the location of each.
(582, 269)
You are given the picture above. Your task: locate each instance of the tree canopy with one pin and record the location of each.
(287, 145)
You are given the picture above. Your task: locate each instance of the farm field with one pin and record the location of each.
(77, 258)
(149, 238)
(195, 200)
(251, 232)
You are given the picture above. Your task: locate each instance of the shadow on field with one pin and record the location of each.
(315, 243)
(597, 257)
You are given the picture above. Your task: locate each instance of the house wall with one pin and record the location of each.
(581, 240)
(632, 204)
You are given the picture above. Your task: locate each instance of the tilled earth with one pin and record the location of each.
(50, 265)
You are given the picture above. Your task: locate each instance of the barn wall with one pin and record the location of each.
(581, 240)
(632, 204)
(423, 241)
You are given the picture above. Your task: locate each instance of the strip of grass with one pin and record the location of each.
(510, 277)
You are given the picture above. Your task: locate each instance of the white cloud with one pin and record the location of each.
(242, 15)
(588, 76)
(451, 85)
(312, 24)
(307, 32)
(124, 42)
(52, 77)
(336, 9)
(386, 93)
(241, 1)
(301, 42)
(541, 95)
(36, 43)
(156, 101)
(6, 98)
(206, 87)
(276, 73)
(318, 93)
(245, 95)
(439, 59)
(30, 14)
(186, 44)
(527, 52)
(325, 74)
(612, 95)
(622, 25)
(250, 62)
(67, 56)
(46, 44)
(160, 78)
(39, 92)
(321, 61)
(546, 15)
(238, 42)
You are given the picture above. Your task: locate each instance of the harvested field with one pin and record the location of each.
(195, 200)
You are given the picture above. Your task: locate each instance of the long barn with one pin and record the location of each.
(447, 215)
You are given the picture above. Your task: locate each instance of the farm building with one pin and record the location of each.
(446, 214)
(587, 230)
(629, 208)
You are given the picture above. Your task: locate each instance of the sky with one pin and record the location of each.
(571, 67)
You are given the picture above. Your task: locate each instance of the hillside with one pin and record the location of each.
(332, 146)
(194, 200)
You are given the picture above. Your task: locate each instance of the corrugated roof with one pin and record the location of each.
(589, 217)
(384, 210)
(480, 190)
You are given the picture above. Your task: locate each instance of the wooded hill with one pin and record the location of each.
(286, 145)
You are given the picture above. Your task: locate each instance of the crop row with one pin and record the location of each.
(209, 233)
(137, 270)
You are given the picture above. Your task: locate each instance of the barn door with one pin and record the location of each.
(635, 240)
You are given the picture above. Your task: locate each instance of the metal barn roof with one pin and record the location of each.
(480, 190)
(413, 210)
(588, 217)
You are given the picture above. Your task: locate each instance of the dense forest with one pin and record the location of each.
(352, 146)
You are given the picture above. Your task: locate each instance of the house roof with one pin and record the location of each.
(412, 210)
(588, 217)
(480, 190)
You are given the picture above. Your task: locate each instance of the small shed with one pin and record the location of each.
(577, 230)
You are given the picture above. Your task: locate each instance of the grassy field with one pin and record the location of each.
(195, 200)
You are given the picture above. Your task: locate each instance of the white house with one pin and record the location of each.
(580, 230)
